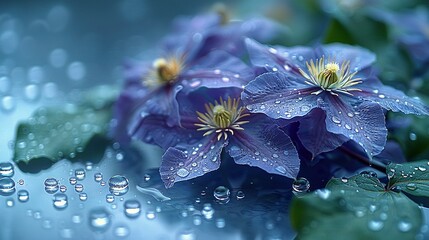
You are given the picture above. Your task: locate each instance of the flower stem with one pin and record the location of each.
(372, 163)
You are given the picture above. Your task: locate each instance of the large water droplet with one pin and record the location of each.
(300, 185)
(51, 185)
(99, 219)
(6, 169)
(132, 208)
(118, 185)
(60, 201)
(221, 194)
(182, 172)
(23, 195)
(411, 186)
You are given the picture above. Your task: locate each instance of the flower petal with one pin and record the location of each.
(363, 123)
(391, 99)
(279, 95)
(360, 58)
(218, 69)
(267, 59)
(190, 161)
(264, 145)
(314, 136)
(154, 129)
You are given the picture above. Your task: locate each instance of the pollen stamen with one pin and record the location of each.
(164, 71)
(331, 77)
(222, 117)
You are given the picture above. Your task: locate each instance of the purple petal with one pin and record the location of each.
(193, 161)
(154, 129)
(314, 136)
(391, 99)
(363, 123)
(279, 95)
(218, 69)
(271, 59)
(360, 58)
(264, 145)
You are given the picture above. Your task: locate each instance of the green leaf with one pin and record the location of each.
(356, 208)
(411, 177)
(70, 131)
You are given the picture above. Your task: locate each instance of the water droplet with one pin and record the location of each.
(31, 92)
(336, 120)
(132, 208)
(23, 195)
(73, 180)
(301, 185)
(60, 201)
(21, 181)
(78, 187)
(121, 231)
(323, 193)
(197, 220)
(83, 196)
(404, 226)
(99, 219)
(98, 177)
(368, 174)
(421, 168)
(240, 195)
(6, 169)
(305, 108)
(58, 58)
(79, 173)
(51, 185)
(8, 104)
(76, 219)
(220, 223)
(208, 211)
(63, 188)
(76, 71)
(411, 186)
(146, 177)
(350, 114)
(348, 127)
(381, 96)
(10, 202)
(182, 172)
(281, 169)
(221, 194)
(413, 136)
(187, 235)
(118, 185)
(150, 215)
(5, 84)
(375, 225)
(110, 198)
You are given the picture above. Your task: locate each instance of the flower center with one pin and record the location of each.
(331, 77)
(222, 117)
(164, 71)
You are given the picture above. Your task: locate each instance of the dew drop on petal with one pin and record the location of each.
(301, 185)
(221, 194)
(182, 172)
(404, 226)
(336, 120)
(375, 225)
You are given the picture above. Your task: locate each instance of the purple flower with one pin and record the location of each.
(217, 31)
(213, 120)
(332, 86)
(411, 30)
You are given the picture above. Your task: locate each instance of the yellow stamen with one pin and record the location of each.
(164, 71)
(222, 117)
(331, 76)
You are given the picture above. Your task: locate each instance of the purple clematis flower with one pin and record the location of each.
(330, 90)
(216, 30)
(213, 120)
(411, 30)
